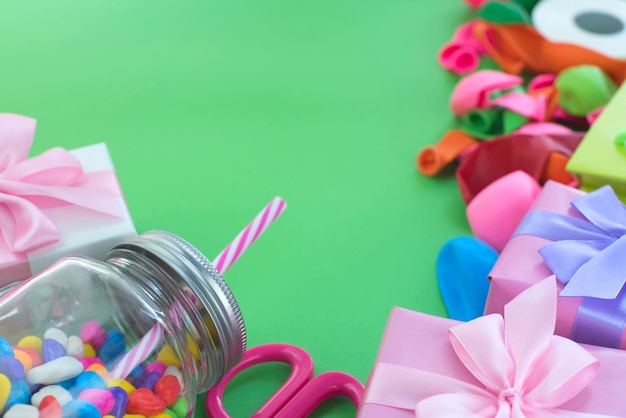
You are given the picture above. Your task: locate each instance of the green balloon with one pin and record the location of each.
(482, 124)
(527, 4)
(499, 12)
(583, 89)
(512, 121)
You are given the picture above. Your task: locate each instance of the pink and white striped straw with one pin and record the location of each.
(138, 353)
(259, 224)
(149, 342)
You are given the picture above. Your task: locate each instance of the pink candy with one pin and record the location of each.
(156, 366)
(92, 333)
(88, 361)
(100, 398)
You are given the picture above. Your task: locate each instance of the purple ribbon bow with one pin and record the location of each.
(588, 256)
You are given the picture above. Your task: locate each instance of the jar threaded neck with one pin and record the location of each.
(182, 268)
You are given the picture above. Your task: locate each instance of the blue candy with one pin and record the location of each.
(11, 368)
(113, 347)
(136, 374)
(67, 384)
(5, 348)
(20, 393)
(52, 349)
(121, 399)
(147, 381)
(80, 409)
(87, 380)
(463, 267)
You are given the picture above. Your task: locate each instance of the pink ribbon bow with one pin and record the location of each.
(53, 178)
(519, 368)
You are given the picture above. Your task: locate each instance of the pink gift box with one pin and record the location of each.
(520, 265)
(56, 204)
(419, 341)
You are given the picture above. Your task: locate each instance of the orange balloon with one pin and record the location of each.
(433, 158)
(520, 47)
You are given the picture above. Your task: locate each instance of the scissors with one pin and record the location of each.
(299, 395)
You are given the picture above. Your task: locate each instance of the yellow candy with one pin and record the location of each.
(121, 383)
(133, 416)
(193, 347)
(5, 388)
(89, 351)
(31, 342)
(108, 416)
(100, 369)
(23, 358)
(168, 357)
(161, 415)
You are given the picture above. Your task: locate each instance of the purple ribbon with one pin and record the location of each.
(589, 258)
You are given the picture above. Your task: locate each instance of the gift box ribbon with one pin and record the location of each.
(518, 367)
(587, 257)
(54, 178)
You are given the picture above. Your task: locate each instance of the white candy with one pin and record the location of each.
(55, 371)
(175, 371)
(59, 392)
(22, 410)
(56, 334)
(75, 347)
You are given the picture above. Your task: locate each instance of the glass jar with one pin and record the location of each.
(153, 325)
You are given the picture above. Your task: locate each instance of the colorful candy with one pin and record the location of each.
(22, 411)
(49, 407)
(80, 409)
(5, 389)
(5, 348)
(30, 341)
(52, 349)
(24, 359)
(65, 377)
(120, 398)
(59, 393)
(55, 371)
(75, 347)
(100, 398)
(57, 335)
(168, 388)
(144, 402)
(11, 367)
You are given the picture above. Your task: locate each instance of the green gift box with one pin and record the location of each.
(601, 157)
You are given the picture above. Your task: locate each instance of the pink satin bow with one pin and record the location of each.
(519, 369)
(53, 178)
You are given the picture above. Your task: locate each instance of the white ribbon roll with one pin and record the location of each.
(599, 25)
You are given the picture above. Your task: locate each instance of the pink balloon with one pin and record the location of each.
(473, 90)
(543, 128)
(458, 58)
(495, 212)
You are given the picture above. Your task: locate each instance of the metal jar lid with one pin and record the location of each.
(196, 271)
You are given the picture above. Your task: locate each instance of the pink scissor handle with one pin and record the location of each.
(320, 388)
(301, 372)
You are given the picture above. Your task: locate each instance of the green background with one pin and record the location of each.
(210, 108)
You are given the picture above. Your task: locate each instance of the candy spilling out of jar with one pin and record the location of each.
(60, 376)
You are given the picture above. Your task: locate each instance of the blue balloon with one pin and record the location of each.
(463, 267)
